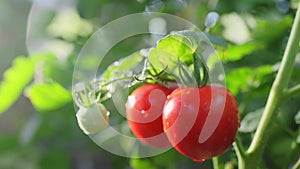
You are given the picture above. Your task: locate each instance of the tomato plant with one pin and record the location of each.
(144, 114)
(261, 69)
(201, 122)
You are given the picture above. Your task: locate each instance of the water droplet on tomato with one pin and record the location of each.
(167, 124)
(199, 160)
(143, 111)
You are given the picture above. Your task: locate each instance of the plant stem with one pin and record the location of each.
(239, 148)
(297, 165)
(292, 91)
(276, 97)
(216, 164)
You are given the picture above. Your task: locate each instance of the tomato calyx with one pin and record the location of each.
(199, 64)
(150, 74)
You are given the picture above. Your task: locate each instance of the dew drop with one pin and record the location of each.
(168, 124)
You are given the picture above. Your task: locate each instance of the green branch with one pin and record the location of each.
(297, 165)
(292, 91)
(276, 97)
(239, 149)
(216, 163)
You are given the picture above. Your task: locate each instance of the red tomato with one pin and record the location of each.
(144, 114)
(201, 122)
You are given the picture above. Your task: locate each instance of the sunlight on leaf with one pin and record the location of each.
(239, 79)
(171, 50)
(141, 164)
(127, 66)
(234, 53)
(14, 81)
(48, 96)
(270, 30)
(179, 46)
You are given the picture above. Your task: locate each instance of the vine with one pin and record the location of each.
(250, 159)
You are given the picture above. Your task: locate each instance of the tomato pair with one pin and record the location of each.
(198, 122)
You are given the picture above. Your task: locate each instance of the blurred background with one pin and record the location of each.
(38, 127)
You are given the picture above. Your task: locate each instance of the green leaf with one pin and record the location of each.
(161, 59)
(234, 53)
(48, 96)
(179, 46)
(270, 30)
(141, 164)
(203, 41)
(241, 79)
(125, 67)
(174, 53)
(250, 121)
(14, 81)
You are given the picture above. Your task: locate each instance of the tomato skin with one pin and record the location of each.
(144, 114)
(201, 122)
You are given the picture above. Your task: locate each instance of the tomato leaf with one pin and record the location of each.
(250, 121)
(204, 43)
(235, 86)
(248, 77)
(14, 81)
(172, 52)
(234, 53)
(127, 66)
(179, 46)
(141, 164)
(162, 59)
(278, 27)
(48, 96)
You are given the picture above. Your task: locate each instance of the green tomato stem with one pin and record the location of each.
(275, 99)
(199, 63)
(239, 148)
(297, 164)
(292, 91)
(196, 69)
(216, 164)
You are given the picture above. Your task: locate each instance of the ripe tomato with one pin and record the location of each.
(201, 122)
(144, 114)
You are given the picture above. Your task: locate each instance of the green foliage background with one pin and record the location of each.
(38, 127)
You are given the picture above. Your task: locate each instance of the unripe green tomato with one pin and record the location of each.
(93, 119)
